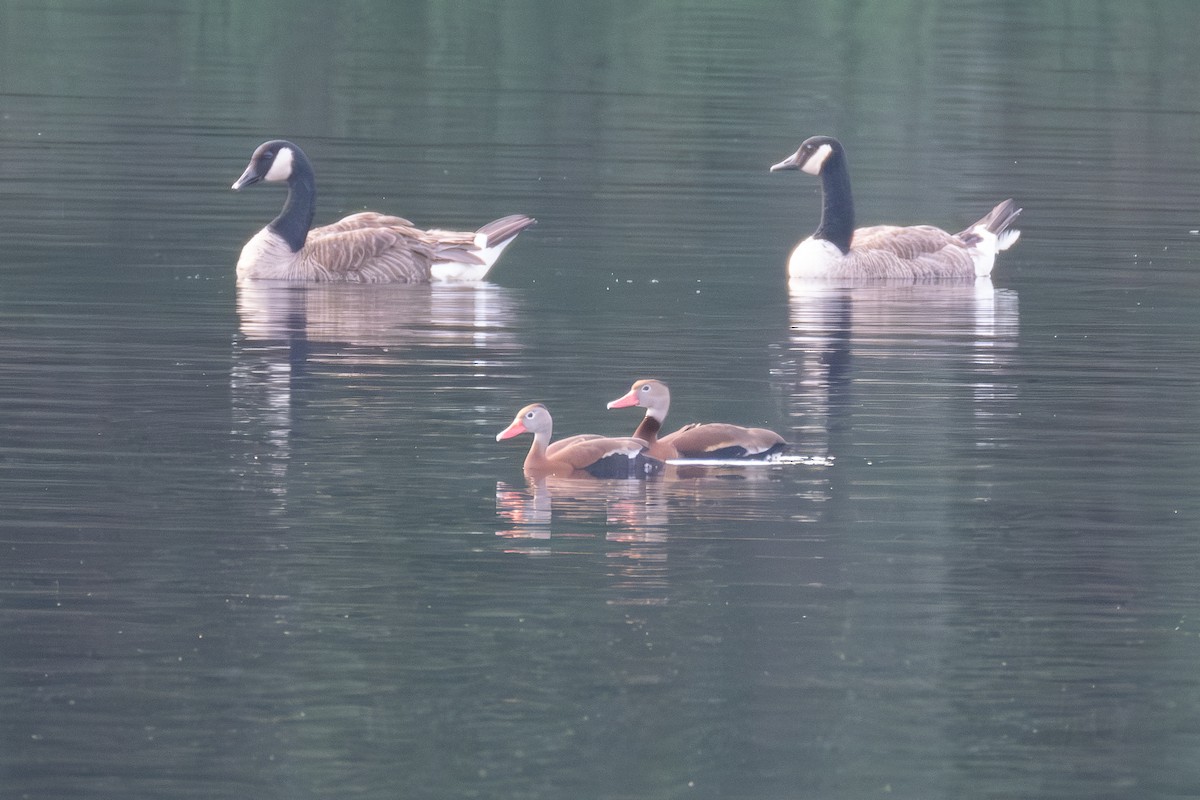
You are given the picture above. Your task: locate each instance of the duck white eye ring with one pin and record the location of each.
(529, 415)
(646, 388)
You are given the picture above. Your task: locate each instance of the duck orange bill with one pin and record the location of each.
(515, 429)
(625, 400)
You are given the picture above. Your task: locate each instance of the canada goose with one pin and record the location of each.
(361, 248)
(600, 457)
(697, 440)
(837, 250)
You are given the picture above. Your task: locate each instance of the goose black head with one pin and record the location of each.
(273, 161)
(812, 155)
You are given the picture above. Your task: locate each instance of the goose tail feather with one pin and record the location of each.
(990, 235)
(490, 241)
(997, 222)
(499, 232)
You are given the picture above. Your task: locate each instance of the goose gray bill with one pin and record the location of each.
(917, 252)
(362, 248)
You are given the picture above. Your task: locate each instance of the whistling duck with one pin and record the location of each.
(361, 248)
(837, 250)
(697, 440)
(598, 456)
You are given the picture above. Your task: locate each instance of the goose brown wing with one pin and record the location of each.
(458, 246)
(914, 252)
(906, 242)
(369, 247)
(366, 219)
(369, 255)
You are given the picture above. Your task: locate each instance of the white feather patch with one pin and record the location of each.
(455, 271)
(814, 258)
(281, 167)
(816, 161)
(267, 257)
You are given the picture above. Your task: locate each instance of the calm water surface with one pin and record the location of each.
(261, 541)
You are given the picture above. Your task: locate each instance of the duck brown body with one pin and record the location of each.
(580, 456)
(697, 440)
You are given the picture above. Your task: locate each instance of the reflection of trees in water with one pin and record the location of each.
(293, 338)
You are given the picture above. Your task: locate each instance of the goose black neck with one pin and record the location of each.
(296, 217)
(837, 210)
(648, 430)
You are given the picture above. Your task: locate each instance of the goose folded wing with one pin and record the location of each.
(906, 242)
(367, 219)
(370, 255)
(457, 246)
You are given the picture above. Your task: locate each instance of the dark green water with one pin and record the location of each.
(262, 543)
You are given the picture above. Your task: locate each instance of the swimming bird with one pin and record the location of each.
(362, 248)
(837, 250)
(598, 456)
(697, 440)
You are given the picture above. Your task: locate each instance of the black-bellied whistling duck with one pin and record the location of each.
(598, 456)
(697, 440)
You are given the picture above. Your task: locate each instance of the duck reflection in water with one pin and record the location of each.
(628, 510)
(624, 525)
(571, 516)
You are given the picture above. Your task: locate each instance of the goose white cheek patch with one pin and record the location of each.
(281, 167)
(817, 160)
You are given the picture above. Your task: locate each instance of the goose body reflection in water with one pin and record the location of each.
(903, 360)
(296, 339)
(475, 315)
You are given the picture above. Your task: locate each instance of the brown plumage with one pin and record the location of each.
(362, 248)
(696, 440)
(597, 456)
